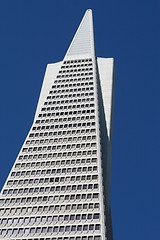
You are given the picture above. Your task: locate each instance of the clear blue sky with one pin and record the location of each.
(34, 33)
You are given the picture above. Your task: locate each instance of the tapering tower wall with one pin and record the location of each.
(58, 187)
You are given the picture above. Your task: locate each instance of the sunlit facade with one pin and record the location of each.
(59, 186)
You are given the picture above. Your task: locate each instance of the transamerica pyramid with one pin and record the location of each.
(59, 186)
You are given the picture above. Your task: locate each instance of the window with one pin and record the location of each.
(67, 228)
(79, 228)
(85, 228)
(73, 228)
(97, 227)
(91, 227)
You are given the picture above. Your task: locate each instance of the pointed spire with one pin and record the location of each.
(82, 44)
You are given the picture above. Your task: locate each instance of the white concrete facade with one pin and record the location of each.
(57, 188)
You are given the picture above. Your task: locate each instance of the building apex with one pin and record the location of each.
(83, 41)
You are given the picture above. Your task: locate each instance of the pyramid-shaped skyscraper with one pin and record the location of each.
(59, 186)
